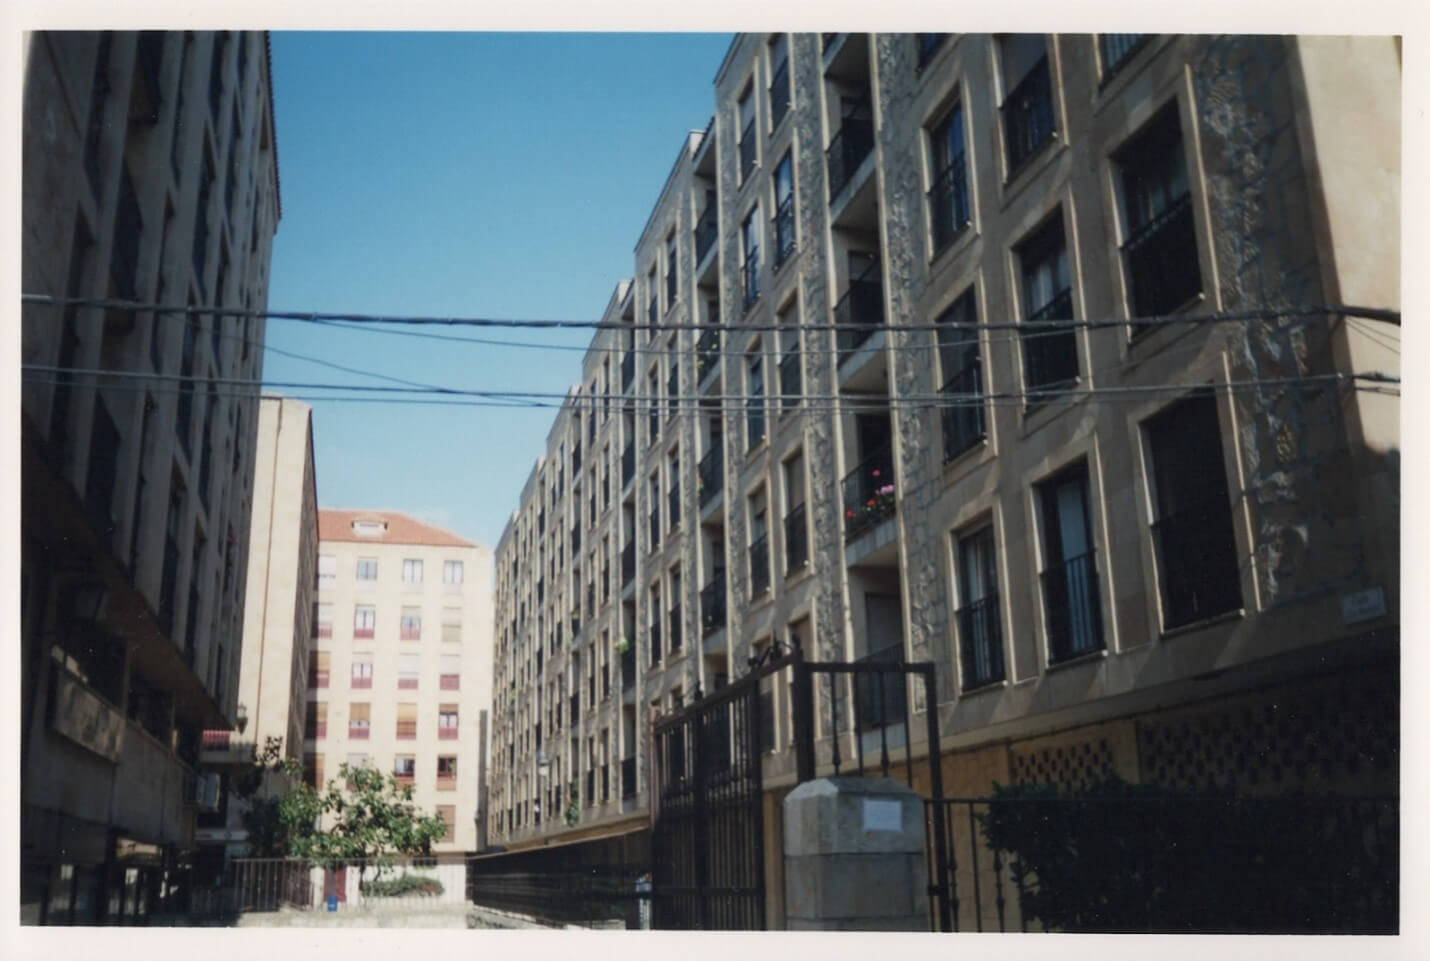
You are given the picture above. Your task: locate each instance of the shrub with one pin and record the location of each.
(401, 885)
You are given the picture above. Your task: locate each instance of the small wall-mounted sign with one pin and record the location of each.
(883, 815)
(1364, 605)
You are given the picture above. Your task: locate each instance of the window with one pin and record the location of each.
(447, 772)
(796, 528)
(366, 570)
(411, 571)
(750, 272)
(410, 627)
(671, 275)
(362, 673)
(949, 209)
(980, 641)
(103, 471)
(1115, 50)
(791, 376)
(327, 571)
(448, 814)
(962, 372)
(1049, 344)
(447, 722)
(451, 676)
(359, 720)
(759, 545)
(1160, 250)
(1028, 107)
(406, 721)
(747, 134)
(755, 401)
(316, 722)
(318, 669)
(1072, 613)
(364, 621)
(1192, 533)
(323, 620)
(404, 768)
(452, 572)
(928, 45)
(654, 394)
(784, 210)
(779, 78)
(408, 669)
(451, 625)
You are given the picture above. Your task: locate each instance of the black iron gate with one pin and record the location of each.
(707, 846)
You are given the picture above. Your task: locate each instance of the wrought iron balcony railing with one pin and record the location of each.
(628, 777)
(1028, 116)
(707, 351)
(859, 312)
(779, 94)
(676, 630)
(869, 492)
(628, 371)
(980, 642)
(948, 203)
(628, 563)
(963, 411)
(783, 224)
(711, 473)
(712, 605)
(1073, 611)
(760, 565)
(1050, 345)
(707, 230)
(1162, 271)
(849, 147)
(790, 386)
(796, 540)
(750, 277)
(747, 150)
(1196, 561)
(672, 505)
(655, 651)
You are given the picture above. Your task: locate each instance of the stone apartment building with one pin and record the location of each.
(400, 673)
(150, 174)
(273, 673)
(1005, 352)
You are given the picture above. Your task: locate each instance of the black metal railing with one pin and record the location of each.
(628, 777)
(628, 563)
(672, 505)
(962, 415)
(707, 230)
(860, 311)
(754, 421)
(712, 605)
(1028, 116)
(628, 465)
(980, 642)
(796, 540)
(1196, 561)
(783, 223)
(948, 203)
(1162, 270)
(711, 473)
(556, 895)
(707, 351)
(1116, 48)
(747, 149)
(759, 564)
(869, 492)
(575, 708)
(750, 278)
(849, 147)
(790, 386)
(779, 93)
(1072, 607)
(1050, 346)
(677, 632)
(655, 652)
(880, 699)
(628, 668)
(628, 371)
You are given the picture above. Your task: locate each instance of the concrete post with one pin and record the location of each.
(854, 856)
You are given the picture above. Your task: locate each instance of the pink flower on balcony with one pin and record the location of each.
(886, 490)
(849, 514)
(876, 472)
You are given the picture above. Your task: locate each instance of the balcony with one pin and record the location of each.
(783, 224)
(754, 421)
(962, 415)
(747, 149)
(869, 493)
(1196, 560)
(711, 474)
(759, 565)
(1073, 614)
(628, 777)
(849, 148)
(980, 643)
(628, 563)
(1028, 117)
(655, 642)
(676, 633)
(707, 231)
(712, 605)
(796, 540)
(1162, 272)
(707, 352)
(1050, 345)
(860, 312)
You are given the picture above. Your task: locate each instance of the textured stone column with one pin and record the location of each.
(854, 856)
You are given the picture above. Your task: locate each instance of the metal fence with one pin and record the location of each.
(249, 885)
(565, 898)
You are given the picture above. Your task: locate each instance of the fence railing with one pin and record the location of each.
(562, 898)
(250, 885)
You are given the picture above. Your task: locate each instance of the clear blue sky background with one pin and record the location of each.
(451, 174)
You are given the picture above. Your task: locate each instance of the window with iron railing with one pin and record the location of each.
(364, 621)
(747, 136)
(672, 388)
(707, 229)
(1197, 566)
(750, 277)
(655, 650)
(404, 768)
(628, 371)
(450, 678)
(447, 772)
(791, 385)
(359, 721)
(1071, 602)
(868, 492)
(1116, 49)
(949, 208)
(980, 641)
(851, 145)
(446, 722)
(796, 540)
(707, 351)
(759, 564)
(961, 368)
(361, 678)
(628, 563)
(628, 777)
(653, 529)
(1028, 120)
(860, 311)
(1049, 341)
(711, 474)
(779, 79)
(712, 605)
(677, 632)
(1160, 252)
(880, 699)
(783, 224)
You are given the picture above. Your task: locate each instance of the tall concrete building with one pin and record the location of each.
(150, 175)
(400, 676)
(273, 673)
(1006, 352)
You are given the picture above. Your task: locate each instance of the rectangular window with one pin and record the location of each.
(779, 79)
(791, 375)
(451, 676)
(447, 722)
(404, 768)
(451, 625)
(784, 210)
(447, 772)
(746, 113)
(962, 371)
(949, 210)
(359, 720)
(411, 571)
(364, 621)
(366, 569)
(406, 722)
(1028, 120)
(1049, 343)
(755, 402)
(361, 674)
(410, 627)
(1192, 534)
(452, 572)
(408, 669)
(318, 669)
(327, 571)
(1072, 611)
(979, 636)
(1160, 250)
(796, 527)
(316, 723)
(750, 243)
(672, 286)
(1115, 50)
(759, 545)
(323, 620)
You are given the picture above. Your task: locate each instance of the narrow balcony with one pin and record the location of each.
(673, 505)
(759, 565)
(711, 474)
(628, 371)
(628, 668)
(849, 148)
(980, 643)
(628, 563)
(712, 605)
(783, 231)
(750, 278)
(1162, 271)
(628, 465)
(1074, 614)
(869, 493)
(655, 642)
(707, 231)
(747, 150)
(707, 352)
(860, 312)
(1050, 345)
(791, 387)
(962, 415)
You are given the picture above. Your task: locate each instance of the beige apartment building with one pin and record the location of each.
(400, 674)
(1012, 353)
(150, 174)
(273, 673)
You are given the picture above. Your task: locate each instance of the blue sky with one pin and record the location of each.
(462, 174)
